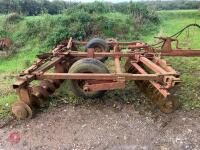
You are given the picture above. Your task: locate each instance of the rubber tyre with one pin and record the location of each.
(86, 65)
(99, 43)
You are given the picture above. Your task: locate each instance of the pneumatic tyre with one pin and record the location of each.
(86, 65)
(99, 45)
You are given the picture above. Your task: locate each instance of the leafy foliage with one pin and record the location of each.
(58, 36)
(174, 5)
(36, 7)
(13, 18)
(3, 33)
(84, 21)
(91, 8)
(142, 18)
(33, 7)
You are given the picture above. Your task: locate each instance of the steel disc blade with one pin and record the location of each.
(170, 105)
(38, 102)
(21, 110)
(40, 92)
(48, 85)
(166, 104)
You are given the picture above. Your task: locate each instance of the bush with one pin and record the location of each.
(82, 17)
(4, 34)
(13, 18)
(91, 8)
(85, 21)
(57, 36)
(64, 33)
(144, 18)
(41, 27)
(109, 27)
(78, 30)
(33, 28)
(143, 12)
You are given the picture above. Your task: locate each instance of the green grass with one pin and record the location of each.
(171, 22)
(15, 64)
(178, 14)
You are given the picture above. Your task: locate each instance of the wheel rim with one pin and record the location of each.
(99, 48)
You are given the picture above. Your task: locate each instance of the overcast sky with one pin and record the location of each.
(114, 1)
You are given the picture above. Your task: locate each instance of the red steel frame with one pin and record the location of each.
(139, 54)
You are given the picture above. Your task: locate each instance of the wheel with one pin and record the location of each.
(86, 65)
(99, 45)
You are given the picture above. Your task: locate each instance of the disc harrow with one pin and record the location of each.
(90, 77)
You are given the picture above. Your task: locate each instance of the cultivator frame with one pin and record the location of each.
(144, 65)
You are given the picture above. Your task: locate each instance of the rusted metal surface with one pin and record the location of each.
(5, 43)
(164, 65)
(105, 86)
(156, 85)
(117, 65)
(144, 65)
(21, 110)
(96, 76)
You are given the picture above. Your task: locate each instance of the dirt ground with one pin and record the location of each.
(108, 125)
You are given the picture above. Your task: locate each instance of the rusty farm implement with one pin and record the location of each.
(89, 77)
(5, 43)
(5, 46)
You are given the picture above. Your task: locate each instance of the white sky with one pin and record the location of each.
(114, 1)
